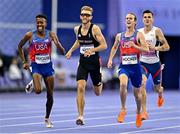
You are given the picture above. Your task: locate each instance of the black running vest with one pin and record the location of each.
(86, 42)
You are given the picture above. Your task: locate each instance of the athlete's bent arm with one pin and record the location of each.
(57, 42)
(141, 41)
(23, 41)
(100, 38)
(75, 45)
(160, 37)
(113, 50)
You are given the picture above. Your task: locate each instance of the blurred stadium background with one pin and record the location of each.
(18, 16)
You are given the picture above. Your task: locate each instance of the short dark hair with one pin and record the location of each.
(148, 11)
(41, 16)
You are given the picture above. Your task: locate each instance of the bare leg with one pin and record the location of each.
(123, 90)
(37, 81)
(49, 82)
(159, 89)
(143, 91)
(98, 89)
(138, 97)
(123, 93)
(81, 84)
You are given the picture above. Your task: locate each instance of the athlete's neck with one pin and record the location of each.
(86, 26)
(41, 34)
(129, 31)
(148, 28)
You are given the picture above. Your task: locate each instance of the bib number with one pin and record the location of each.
(42, 59)
(83, 49)
(130, 59)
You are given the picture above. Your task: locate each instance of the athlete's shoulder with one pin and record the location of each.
(76, 28)
(96, 27)
(29, 34)
(140, 29)
(157, 30)
(118, 36)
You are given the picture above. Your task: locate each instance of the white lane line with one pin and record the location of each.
(153, 129)
(105, 110)
(57, 115)
(87, 119)
(102, 125)
(63, 109)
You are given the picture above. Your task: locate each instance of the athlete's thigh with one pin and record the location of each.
(82, 73)
(123, 75)
(96, 76)
(81, 84)
(144, 80)
(156, 73)
(37, 81)
(145, 69)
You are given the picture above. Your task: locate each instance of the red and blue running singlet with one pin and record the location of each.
(40, 48)
(128, 54)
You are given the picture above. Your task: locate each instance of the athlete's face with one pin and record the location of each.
(148, 19)
(130, 20)
(41, 24)
(85, 16)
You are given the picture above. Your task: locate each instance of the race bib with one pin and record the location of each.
(42, 59)
(84, 48)
(129, 59)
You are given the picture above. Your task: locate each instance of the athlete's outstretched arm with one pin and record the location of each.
(57, 42)
(75, 45)
(113, 50)
(160, 37)
(23, 41)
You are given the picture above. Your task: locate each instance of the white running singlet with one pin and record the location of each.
(152, 56)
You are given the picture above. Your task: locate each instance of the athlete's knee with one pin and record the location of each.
(38, 90)
(81, 88)
(123, 86)
(158, 88)
(143, 84)
(137, 93)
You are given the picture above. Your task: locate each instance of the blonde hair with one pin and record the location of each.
(88, 8)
